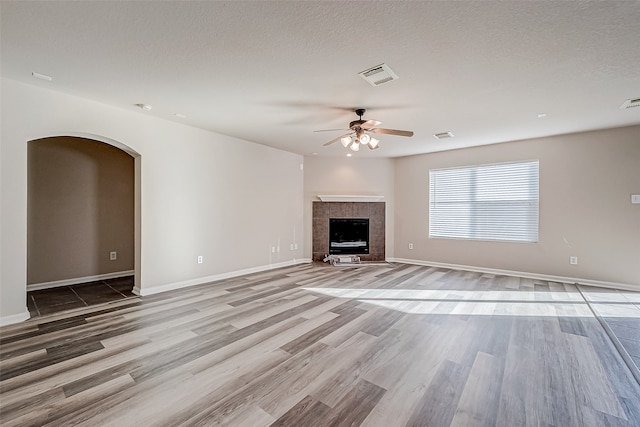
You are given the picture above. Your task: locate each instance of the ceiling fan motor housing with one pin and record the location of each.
(356, 123)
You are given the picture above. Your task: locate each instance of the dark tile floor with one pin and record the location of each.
(54, 300)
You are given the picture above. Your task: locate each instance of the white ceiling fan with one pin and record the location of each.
(359, 133)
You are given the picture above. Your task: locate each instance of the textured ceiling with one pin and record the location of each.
(273, 72)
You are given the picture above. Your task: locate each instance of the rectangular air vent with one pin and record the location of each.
(378, 75)
(630, 103)
(443, 135)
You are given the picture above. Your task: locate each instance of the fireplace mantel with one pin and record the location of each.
(340, 198)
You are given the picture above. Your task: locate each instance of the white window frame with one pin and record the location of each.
(489, 202)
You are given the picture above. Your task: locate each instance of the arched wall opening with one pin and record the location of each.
(83, 204)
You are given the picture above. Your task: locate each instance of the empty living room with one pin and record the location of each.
(288, 213)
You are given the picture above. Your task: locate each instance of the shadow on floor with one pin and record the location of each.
(55, 300)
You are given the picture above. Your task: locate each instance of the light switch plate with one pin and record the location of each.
(635, 198)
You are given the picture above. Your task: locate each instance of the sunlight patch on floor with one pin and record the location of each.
(480, 303)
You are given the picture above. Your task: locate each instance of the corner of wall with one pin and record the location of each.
(15, 318)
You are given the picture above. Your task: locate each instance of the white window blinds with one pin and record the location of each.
(485, 202)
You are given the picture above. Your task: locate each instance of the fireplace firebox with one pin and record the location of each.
(348, 236)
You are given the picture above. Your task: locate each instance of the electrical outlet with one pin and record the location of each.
(410, 245)
(291, 247)
(573, 260)
(200, 259)
(273, 249)
(113, 256)
(295, 246)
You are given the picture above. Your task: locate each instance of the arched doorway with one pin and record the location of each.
(83, 221)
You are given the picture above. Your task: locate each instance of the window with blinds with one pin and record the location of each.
(485, 202)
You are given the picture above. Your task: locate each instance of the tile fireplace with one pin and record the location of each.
(356, 228)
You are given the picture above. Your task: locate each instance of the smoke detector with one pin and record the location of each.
(630, 103)
(443, 135)
(378, 75)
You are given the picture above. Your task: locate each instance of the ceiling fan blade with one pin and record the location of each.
(370, 124)
(392, 132)
(336, 139)
(329, 130)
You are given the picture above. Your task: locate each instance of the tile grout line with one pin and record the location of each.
(114, 289)
(635, 370)
(35, 304)
(79, 297)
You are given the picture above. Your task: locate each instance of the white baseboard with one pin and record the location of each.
(78, 280)
(15, 318)
(202, 280)
(527, 275)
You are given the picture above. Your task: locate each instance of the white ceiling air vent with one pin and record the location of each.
(443, 135)
(378, 75)
(630, 103)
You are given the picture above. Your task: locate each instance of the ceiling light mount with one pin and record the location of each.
(145, 107)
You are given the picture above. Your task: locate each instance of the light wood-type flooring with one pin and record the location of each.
(310, 345)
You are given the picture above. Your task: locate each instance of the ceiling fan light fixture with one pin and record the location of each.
(361, 132)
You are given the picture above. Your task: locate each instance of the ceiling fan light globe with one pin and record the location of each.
(373, 143)
(355, 146)
(364, 139)
(345, 140)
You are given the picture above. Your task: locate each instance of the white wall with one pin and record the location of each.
(348, 176)
(200, 193)
(586, 182)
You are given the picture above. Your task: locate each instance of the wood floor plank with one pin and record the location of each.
(481, 391)
(280, 399)
(314, 345)
(307, 412)
(338, 382)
